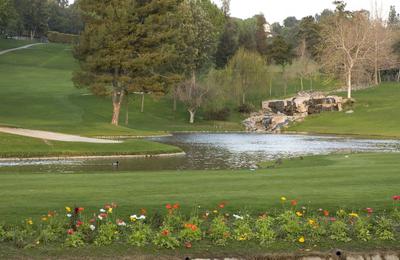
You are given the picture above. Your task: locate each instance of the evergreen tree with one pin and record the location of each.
(126, 46)
(394, 18)
(309, 31)
(261, 34)
(228, 43)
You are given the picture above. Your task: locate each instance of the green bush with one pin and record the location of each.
(57, 37)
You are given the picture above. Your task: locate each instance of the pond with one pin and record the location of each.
(216, 151)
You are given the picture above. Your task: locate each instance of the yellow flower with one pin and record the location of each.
(283, 199)
(29, 222)
(354, 215)
(133, 218)
(242, 238)
(302, 240)
(68, 209)
(311, 222)
(44, 218)
(110, 210)
(299, 214)
(215, 211)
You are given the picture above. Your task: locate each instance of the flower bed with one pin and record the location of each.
(293, 223)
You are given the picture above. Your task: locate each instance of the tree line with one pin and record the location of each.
(34, 18)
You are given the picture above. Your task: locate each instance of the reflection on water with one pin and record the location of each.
(216, 151)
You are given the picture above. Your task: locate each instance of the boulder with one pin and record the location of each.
(278, 114)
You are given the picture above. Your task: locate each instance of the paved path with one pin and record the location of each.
(55, 136)
(19, 48)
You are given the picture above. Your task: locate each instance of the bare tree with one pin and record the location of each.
(346, 43)
(304, 66)
(192, 95)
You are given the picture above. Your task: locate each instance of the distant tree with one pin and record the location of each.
(290, 31)
(7, 15)
(310, 35)
(35, 15)
(304, 65)
(281, 53)
(196, 48)
(247, 34)
(394, 18)
(247, 71)
(276, 28)
(261, 35)
(228, 43)
(226, 7)
(126, 47)
(346, 42)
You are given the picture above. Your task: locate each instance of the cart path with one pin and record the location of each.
(19, 48)
(46, 135)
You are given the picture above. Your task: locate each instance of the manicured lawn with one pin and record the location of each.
(16, 146)
(376, 113)
(10, 43)
(329, 182)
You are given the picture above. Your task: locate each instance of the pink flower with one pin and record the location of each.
(397, 197)
(70, 231)
(369, 210)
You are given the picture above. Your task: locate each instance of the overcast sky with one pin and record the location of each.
(278, 10)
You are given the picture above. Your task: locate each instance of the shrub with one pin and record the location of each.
(242, 230)
(222, 114)
(362, 229)
(246, 108)
(75, 240)
(291, 227)
(191, 231)
(2, 233)
(65, 38)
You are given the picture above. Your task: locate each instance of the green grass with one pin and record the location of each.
(36, 92)
(376, 113)
(10, 43)
(19, 147)
(356, 182)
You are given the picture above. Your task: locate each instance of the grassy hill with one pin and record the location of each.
(376, 113)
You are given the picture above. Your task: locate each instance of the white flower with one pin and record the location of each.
(69, 215)
(102, 210)
(142, 217)
(238, 217)
(100, 217)
(92, 227)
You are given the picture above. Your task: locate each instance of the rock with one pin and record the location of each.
(278, 114)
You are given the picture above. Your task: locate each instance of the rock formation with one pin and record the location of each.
(278, 114)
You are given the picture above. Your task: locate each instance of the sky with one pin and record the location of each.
(278, 10)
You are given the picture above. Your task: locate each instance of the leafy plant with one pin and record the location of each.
(384, 228)
(264, 230)
(140, 234)
(339, 231)
(107, 234)
(165, 239)
(219, 231)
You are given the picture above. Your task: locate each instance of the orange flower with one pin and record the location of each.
(222, 205)
(326, 213)
(168, 206)
(176, 206)
(143, 211)
(293, 203)
(165, 232)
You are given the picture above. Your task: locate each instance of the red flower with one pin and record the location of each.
(168, 206)
(369, 210)
(222, 205)
(92, 220)
(176, 206)
(326, 213)
(397, 197)
(103, 215)
(107, 206)
(165, 232)
(293, 203)
(188, 245)
(77, 210)
(79, 223)
(70, 231)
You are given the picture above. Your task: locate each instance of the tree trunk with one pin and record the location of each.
(117, 99)
(142, 105)
(127, 110)
(244, 98)
(270, 87)
(349, 84)
(301, 83)
(398, 76)
(376, 74)
(192, 114)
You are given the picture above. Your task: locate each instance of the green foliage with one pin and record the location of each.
(290, 226)
(74, 240)
(384, 228)
(242, 230)
(57, 37)
(280, 51)
(219, 231)
(107, 234)
(140, 234)
(165, 239)
(339, 231)
(264, 228)
(2, 233)
(363, 228)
